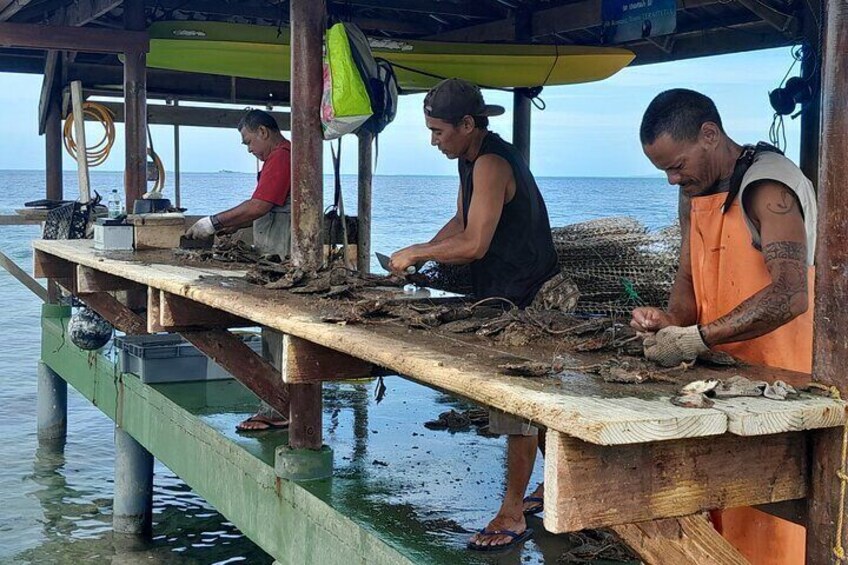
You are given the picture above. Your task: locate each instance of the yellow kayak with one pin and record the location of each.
(262, 52)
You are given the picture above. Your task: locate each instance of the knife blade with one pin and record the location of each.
(385, 260)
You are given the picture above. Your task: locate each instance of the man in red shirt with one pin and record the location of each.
(268, 209)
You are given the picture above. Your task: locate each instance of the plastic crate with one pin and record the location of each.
(168, 358)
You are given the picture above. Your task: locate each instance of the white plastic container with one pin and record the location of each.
(113, 238)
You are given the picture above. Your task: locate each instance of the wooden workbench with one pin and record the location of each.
(627, 435)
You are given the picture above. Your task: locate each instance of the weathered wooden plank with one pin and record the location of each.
(154, 312)
(590, 486)
(16, 220)
(195, 116)
(761, 416)
(308, 363)
(178, 312)
(690, 540)
(88, 40)
(22, 276)
(92, 280)
(238, 359)
(114, 312)
(50, 266)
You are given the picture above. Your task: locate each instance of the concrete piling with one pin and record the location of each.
(51, 405)
(133, 504)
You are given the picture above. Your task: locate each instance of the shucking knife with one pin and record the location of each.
(385, 260)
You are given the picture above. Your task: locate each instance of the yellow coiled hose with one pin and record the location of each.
(94, 154)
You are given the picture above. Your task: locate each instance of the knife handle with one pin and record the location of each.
(411, 270)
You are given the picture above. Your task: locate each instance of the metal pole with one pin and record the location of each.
(811, 71)
(520, 100)
(135, 109)
(307, 29)
(53, 139)
(133, 505)
(830, 348)
(363, 212)
(51, 405)
(176, 160)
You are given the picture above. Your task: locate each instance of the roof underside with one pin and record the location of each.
(704, 27)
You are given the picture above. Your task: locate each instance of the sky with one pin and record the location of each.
(588, 130)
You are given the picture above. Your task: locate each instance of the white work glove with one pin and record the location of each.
(202, 229)
(674, 345)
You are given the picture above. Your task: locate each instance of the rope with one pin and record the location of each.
(159, 183)
(96, 154)
(842, 474)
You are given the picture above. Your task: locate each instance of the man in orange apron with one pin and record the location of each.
(745, 281)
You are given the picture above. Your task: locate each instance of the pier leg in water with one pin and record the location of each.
(133, 505)
(52, 405)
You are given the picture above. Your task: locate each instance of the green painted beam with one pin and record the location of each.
(292, 523)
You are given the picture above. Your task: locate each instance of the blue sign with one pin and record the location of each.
(627, 20)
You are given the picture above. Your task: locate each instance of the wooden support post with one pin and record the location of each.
(135, 106)
(307, 29)
(308, 363)
(53, 132)
(591, 486)
(363, 209)
(79, 138)
(250, 369)
(307, 19)
(683, 541)
(111, 310)
(305, 416)
(520, 100)
(830, 348)
(179, 312)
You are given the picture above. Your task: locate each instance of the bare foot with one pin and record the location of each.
(259, 423)
(534, 506)
(500, 523)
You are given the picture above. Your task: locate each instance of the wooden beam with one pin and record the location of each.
(9, 8)
(111, 309)
(22, 276)
(81, 12)
(691, 540)
(135, 106)
(590, 486)
(364, 179)
(830, 348)
(79, 138)
(240, 360)
(771, 14)
(308, 363)
(91, 280)
(46, 266)
(194, 116)
(178, 312)
(51, 64)
(65, 38)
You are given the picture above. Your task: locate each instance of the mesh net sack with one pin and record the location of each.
(616, 263)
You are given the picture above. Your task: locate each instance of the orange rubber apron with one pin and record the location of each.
(726, 270)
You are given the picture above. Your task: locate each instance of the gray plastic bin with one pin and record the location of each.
(168, 358)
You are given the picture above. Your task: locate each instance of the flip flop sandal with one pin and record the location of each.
(267, 425)
(533, 510)
(517, 539)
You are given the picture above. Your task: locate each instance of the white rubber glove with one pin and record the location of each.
(202, 229)
(674, 345)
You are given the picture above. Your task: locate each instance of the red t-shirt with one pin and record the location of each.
(274, 181)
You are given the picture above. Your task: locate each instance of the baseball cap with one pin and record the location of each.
(454, 98)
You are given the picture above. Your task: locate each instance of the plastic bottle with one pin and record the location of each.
(114, 204)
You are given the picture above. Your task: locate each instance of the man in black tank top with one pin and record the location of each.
(501, 230)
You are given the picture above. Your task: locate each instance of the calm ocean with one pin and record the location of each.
(57, 509)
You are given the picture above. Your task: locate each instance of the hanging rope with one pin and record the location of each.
(842, 474)
(96, 154)
(159, 183)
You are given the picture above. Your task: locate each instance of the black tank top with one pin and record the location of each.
(521, 256)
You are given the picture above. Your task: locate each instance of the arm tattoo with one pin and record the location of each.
(775, 305)
(785, 205)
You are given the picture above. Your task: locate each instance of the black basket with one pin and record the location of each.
(68, 221)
